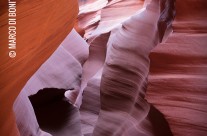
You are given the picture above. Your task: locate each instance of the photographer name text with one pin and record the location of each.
(12, 28)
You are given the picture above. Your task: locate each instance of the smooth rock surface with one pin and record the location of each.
(41, 27)
(62, 70)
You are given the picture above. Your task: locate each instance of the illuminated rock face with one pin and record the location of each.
(62, 70)
(105, 15)
(176, 82)
(126, 74)
(41, 27)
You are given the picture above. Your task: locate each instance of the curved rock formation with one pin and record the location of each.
(90, 14)
(178, 77)
(41, 27)
(106, 16)
(179, 60)
(125, 83)
(62, 70)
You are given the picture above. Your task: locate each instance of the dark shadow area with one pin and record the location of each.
(52, 110)
(159, 123)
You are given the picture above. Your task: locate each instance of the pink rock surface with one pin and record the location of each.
(62, 70)
(123, 83)
(90, 14)
(105, 14)
(114, 13)
(178, 76)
